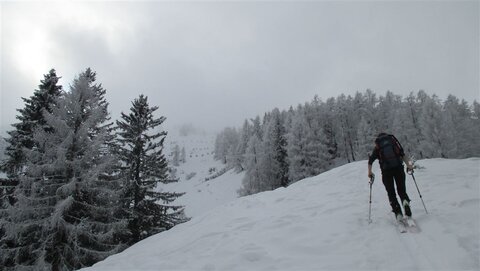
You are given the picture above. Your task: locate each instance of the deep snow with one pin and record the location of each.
(320, 223)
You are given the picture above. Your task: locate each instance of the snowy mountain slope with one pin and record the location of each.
(197, 176)
(320, 223)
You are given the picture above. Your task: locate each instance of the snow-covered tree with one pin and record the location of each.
(386, 110)
(30, 117)
(226, 145)
(347, 132)
(176, 156)
(405, 130)
(330, 128)
(244, 137)
(408, 126)
(476, 110)
(67, 198)
(297, 147)
(183, 155)
(257, 128)
(366, 137)
(462, 130)
(149, 209)
(274, 160)
(316, 149)
(252, 181)
(430, 121)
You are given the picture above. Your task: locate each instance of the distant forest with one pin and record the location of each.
(286, 146)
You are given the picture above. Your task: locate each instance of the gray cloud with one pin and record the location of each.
(217, 63)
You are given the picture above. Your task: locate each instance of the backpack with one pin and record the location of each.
(390, 152)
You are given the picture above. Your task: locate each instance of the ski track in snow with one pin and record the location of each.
(320, 223)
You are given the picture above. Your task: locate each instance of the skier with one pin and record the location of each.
(391, 156)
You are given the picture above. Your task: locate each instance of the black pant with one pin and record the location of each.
(391, 178)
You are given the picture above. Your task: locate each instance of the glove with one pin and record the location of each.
(410, 167)
(372, 177)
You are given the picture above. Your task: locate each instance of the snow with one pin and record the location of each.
(320, 223)
(201, 195)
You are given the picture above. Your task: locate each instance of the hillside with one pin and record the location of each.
(205, 181)
(320, 223)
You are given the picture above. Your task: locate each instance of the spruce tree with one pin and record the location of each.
(21, 138)
(144, 169)
(67, 198)
(30, 117)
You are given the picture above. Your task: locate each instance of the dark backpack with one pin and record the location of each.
(390, 152)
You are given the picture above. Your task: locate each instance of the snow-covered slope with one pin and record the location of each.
(320, 223)
(198, 175)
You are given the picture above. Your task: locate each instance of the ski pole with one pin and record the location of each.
(418, 190)
(372, 178)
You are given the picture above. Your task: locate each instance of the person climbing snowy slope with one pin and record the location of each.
(391, 156)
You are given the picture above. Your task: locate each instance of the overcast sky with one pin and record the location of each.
(214, 64)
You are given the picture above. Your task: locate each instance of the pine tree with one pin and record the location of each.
(144, 168)
(64, 217)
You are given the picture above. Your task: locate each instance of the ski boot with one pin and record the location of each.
(406, 207)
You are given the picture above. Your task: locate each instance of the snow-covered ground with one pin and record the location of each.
(320, 223)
